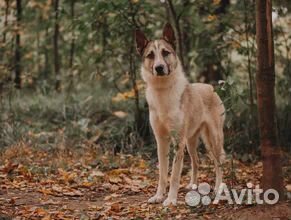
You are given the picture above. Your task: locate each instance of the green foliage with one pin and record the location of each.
(241, 133)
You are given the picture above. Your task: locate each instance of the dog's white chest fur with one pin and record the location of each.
(165, 104)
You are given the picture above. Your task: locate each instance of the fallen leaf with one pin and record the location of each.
(57, 189)
(120, 114)
(87, 184)
(115, 207)
(114, 195)
(45, 191)
(50, 202)
(97, 173)
(115, 179)
(73, 193)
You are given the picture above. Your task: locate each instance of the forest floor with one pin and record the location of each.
(87, 184)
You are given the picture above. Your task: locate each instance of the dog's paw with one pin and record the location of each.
(170, 201)
(156, 199)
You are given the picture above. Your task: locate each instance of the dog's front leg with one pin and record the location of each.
(163, 144)
(176, 175)
(163, 154)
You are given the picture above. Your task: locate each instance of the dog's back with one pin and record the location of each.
(211, 100)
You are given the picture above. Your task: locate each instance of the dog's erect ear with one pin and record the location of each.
(141, 41)
(169, 35)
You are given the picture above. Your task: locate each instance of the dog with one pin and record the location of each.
(178, 110)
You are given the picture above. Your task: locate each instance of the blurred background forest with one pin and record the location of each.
(70, 72)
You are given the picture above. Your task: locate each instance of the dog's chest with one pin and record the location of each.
(166, 107)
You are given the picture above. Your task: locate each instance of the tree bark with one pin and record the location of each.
(253, 120)
(17, 79)
(72, 50)
(175, 18)
(132, 69)
(213, 69)
(249, 56)
(5, 20)
(265, 79)
(38, 60)
(56, 47)
(46, 55)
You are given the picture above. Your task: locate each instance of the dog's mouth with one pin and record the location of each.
(162, 74)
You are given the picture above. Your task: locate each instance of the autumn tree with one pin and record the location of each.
(265, 79)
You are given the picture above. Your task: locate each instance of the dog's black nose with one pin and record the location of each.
(160, 70)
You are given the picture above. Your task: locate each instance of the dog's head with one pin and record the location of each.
(158, 56)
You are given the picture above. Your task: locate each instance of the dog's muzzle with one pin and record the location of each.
(160, 70)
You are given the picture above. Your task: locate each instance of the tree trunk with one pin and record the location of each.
(5, 20)
(247, 22)
(213, 70)
(5, 26)
(253, 120)
(265, 79)
(132, 69)
(72, 50)
(56, 47)
(175, 18)
(17, 79)
(46, 69)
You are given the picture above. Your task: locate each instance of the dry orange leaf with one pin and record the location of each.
(115, 207)
(87, 184)
(97, 173)
(73, 193)
(115, 179)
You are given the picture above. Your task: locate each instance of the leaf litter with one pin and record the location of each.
(37, 184)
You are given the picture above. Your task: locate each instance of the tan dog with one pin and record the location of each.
(178, 110)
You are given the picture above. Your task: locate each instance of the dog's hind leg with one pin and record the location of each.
(213, 140)
(192, 144)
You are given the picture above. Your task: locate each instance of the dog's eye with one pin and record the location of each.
(151, 55)
(165, 53)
